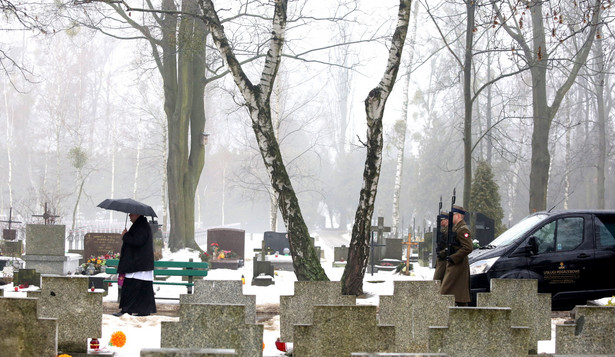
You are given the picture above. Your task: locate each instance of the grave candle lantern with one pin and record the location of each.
(94, 344)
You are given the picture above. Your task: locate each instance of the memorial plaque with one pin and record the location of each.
(97, 244)
(276, 241)
(9, 234)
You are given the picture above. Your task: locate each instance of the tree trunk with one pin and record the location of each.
(467, 100)
(306, 263)
(401, 131)
(537, 58)
(358, 251)
(602, 123)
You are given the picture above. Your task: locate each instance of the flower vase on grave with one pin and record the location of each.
(90, 270)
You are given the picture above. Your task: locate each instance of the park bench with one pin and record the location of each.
(164, 269)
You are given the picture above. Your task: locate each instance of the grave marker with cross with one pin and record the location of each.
(9, 234)
(47, 217)
(380, 229)
(409, 245)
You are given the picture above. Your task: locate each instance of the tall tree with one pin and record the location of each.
(258, 101)
(535, 48)
(358, 251)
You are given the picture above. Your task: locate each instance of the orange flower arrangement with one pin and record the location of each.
(118, 339)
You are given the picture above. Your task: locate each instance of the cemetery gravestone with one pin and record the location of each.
(593, 332)
(529, 308)
(276, 242)
(340, 330)
(23, 332)
(213, 326)
(97, 244)
(77, 310)
(340, 255)
(412, 309)
(27, 276)
(45, 250)
(474, 331)
(11, 248)
(298, 308)
(227, 239)
(222, 292)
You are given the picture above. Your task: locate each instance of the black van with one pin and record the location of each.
(571, 253)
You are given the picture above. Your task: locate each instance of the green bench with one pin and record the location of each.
(163, 269)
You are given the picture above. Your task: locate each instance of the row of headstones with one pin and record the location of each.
(319, 320)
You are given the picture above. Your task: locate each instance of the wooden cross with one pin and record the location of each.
(409, 245)
(10, 218)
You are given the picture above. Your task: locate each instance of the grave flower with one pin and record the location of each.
(204, 256)
(118, 339)
(95, 265)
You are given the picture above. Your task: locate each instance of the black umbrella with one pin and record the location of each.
(127, 205)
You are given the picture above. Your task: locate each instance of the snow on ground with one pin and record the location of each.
(144, 332)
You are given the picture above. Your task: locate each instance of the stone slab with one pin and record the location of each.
(77, 309)
(593, 332)
(222, 292)
(186, 352)
(529, 308)
(52, 264)
(97, 244)
(297, 309)
(414, 306)
(228, 239)
(213, 326)
(45, 239)
(340, 330)
(475, 331)
(23, 332)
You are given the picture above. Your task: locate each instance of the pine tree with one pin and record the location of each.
(485, 198)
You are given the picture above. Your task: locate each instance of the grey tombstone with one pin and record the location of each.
(213, 326)
(11, 248)
(186, 352)
(393, 248)
(27, 276)
(414, 306)
(97, 244)
(592, 332)
(475, 331)
(221, 292)
(275, 241)
(78, 310)
(340, 255)
(23, 332)
(297, 309)
(340, 330)
(529, 308)
(45, 250)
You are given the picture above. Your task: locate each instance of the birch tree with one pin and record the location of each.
(258, 101)
(358, 251)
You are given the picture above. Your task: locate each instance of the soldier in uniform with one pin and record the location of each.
(441, 247)
(456, 279)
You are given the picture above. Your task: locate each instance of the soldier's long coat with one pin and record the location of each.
(457, 276)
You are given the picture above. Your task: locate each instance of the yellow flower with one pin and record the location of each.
(118, 339)
(64, 355)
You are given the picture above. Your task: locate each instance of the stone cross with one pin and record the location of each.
(380, 229)
(47, 217)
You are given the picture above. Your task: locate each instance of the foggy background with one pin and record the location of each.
(89, 120)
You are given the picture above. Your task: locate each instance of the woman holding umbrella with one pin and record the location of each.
(137, 266)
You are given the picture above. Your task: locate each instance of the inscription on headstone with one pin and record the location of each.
(97, 244)
(276, 242)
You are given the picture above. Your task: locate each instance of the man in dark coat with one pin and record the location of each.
(457, 275)
(137, 266)
(440, 267)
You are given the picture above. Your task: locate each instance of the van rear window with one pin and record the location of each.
(605, 231)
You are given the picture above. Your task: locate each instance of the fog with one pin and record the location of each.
(90, 96)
